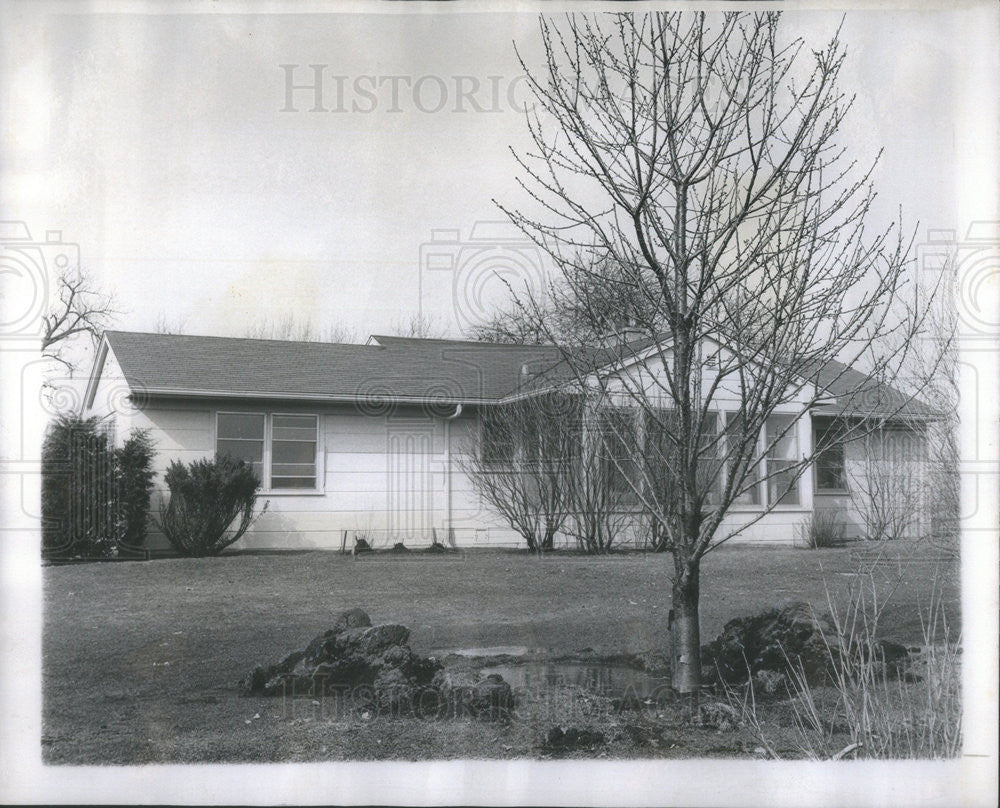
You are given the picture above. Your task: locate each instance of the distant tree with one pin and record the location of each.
(421, 326)
(78, 308)
(292, 327)
(164, 325)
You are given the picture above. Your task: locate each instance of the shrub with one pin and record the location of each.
(135, 461)
(95, 497)
(821, 529)
(206, 498)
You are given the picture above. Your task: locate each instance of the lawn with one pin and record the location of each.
(142, 659)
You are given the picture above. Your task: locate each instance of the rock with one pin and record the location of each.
(768, 641)
(784, 641)
(492, 698)
(719, 716)
(769, 683)
(395, 692)
(642, 735)
(371, 640)
(288, 662)
(373, 665)
(894, 656)
(569, 738)
(254, 681)
(352, 618)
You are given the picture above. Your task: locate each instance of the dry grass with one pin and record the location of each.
(109, 694)
(872, 709)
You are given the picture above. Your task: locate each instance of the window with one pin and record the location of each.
(241, 437)
(710, 458)
(293, 451)
(499, 443)
(830, 472)
(734, 433)
(617, 450)
(782, 457)
(282, 449)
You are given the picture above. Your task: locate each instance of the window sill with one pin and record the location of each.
(292, 492)
(833, 492)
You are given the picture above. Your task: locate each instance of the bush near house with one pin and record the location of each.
(95, 496)
(206, 498)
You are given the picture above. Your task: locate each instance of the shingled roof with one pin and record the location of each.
(400, 369)
(395, 368)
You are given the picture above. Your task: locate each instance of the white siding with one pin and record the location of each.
(388, 477)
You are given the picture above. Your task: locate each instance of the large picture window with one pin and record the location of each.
(782, 458)
(282, 449)
(750, 489)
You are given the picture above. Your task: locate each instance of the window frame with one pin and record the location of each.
(317, 489)
(505, 462)
(758, 495)
(766, 458)
(841, 447)
(623, 474)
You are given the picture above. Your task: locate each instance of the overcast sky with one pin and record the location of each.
(158, 143)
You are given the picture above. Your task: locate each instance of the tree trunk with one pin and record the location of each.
(686, 633)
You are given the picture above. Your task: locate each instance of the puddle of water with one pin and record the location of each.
(606, 679)
(486, 651)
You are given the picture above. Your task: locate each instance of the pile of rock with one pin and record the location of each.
(375, 667)
(768, 647)
(371, 663)
(462, 693)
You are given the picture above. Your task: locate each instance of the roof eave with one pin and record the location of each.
(260, 395)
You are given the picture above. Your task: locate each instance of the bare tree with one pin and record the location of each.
(79, 308)
(887, 484)
(699, 157)
(600, 503)
(291, 327)
(165, 325)
(935, 373)
(522, 464)
(421, 326)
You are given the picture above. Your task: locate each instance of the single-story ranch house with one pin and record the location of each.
(365, 438)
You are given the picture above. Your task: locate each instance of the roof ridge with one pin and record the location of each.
(241, 339)
(394, 338)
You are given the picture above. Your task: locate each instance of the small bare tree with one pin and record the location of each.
(699, 158)
(887, 484)
(601, 506)
(522, 463)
